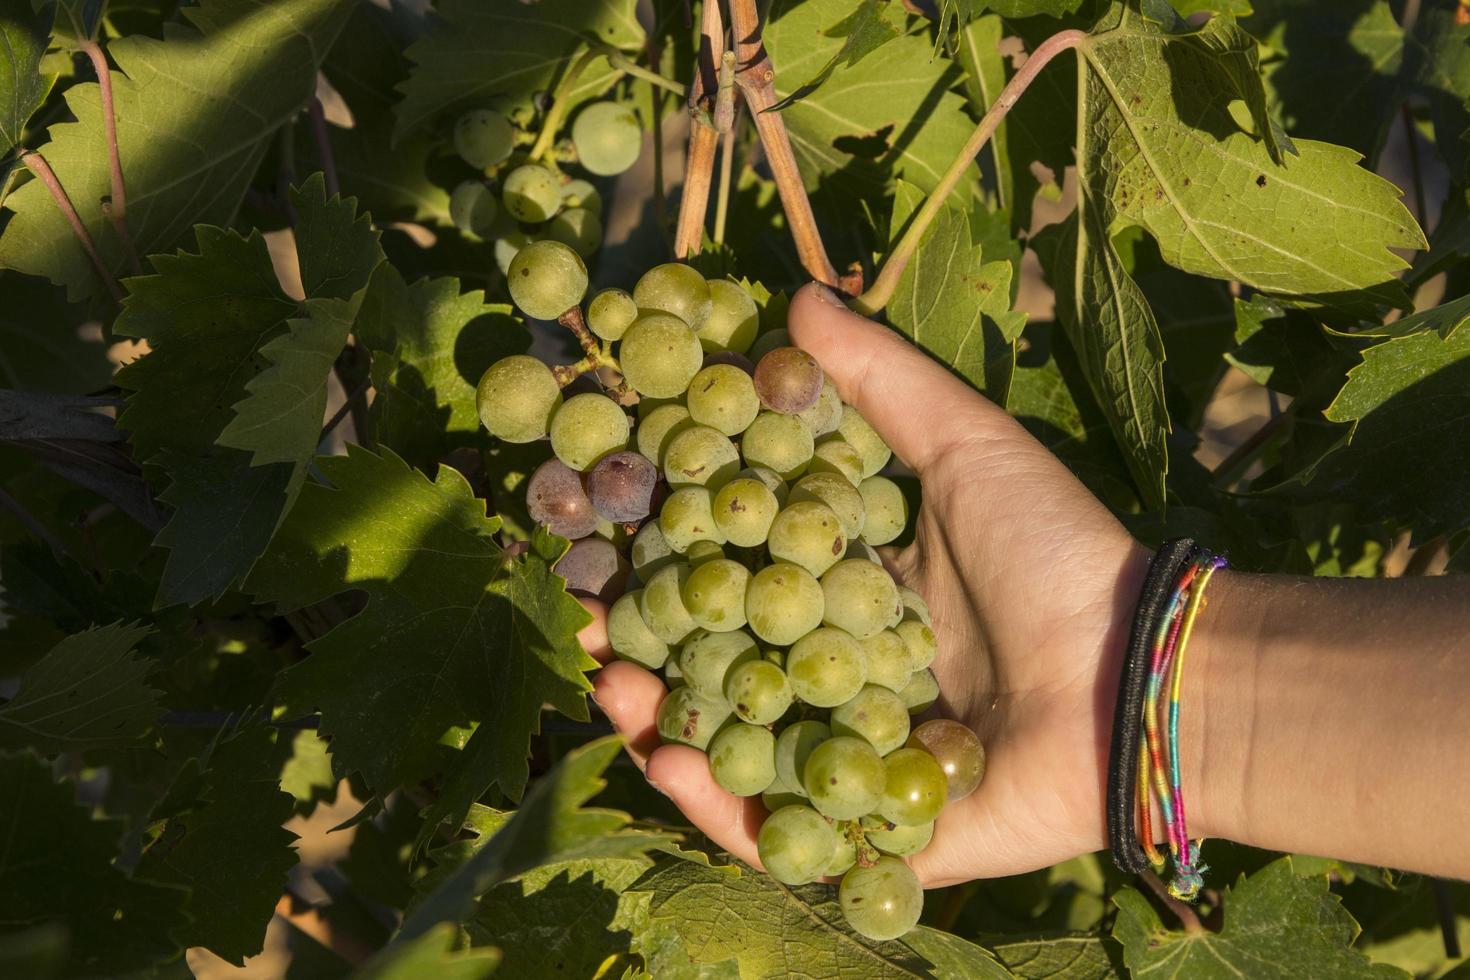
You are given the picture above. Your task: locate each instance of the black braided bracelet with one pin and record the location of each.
(1165, 567)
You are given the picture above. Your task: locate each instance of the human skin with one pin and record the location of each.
(1325, 716)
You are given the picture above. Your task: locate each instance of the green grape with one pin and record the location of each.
(659, 427)
(714, 594)
(759, 692)
(675, 288)
(614, 533)
(861, 436)
(629, 635)
(689, 718)
(833, 455)
(647, 403)
(957, 750)
(531, 193)
(707, 659)
(858, 548)
(742, 758)
(581, 194)
(824, 416)
(779, 795)
(887, 510)
(472, 208)
(844, 778)
(608, 137)
(673, 676)
(508, 245)
(914, 606)
(483, 138)
(517, 398)
(744, 509)
(703, 551)
(795, 845)
(650, 552)
(685, 518)
(610, 313)
(578, 229)
(700, 456)
(826, 667)
(881, 902)
(777, 657)
(783, 603)
(732, 320)
(767, 342)
(914, 789)
(770, 479)
(780, 443)
(586, 428)
(546, 279)
(837, 493)
(889, 664)
(860, 597)
(845, 855)
(723, 397)
(920, 692)
(920, 641)
(808, 534)
(900, 841)
(662, 604)
(794, 746)
(875, 714)
(659, 354)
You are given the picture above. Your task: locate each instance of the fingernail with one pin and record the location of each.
(825, 294)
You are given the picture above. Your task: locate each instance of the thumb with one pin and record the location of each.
(919, 408)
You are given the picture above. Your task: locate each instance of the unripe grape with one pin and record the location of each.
(767, 342)
(659, 354)
(845, 855)
(779, 795)
(508, 245)
(833, 490)
(780, 443)
(783, 603)
(483, 138)
(555, 498)
(677, 289)
(900, 841)
(794, 746)
(920, 641)
(876, 715)
(856, 431)
(920, 692)
(723, 397)
(610, 313)
(795, 845)
(887, 658)
(731, 358)
(858, 548)
(733, 318)
(742, 759)
(587, 428)
(673, 676)
(883, 901)
(578, 229)
(833, 455)
(702, 551)
(531, 193)
(620, 487)
(700, 456)
(581, 194)
(472, 208)
(658, 428)
(546, 279)
(788, 380)
(650, 552)
(914, 606)
(826, 414)
(686, 518)
(844, 778)
(689, 718)
(708, 658)
(887, 510)
(517, 398)
(743, 510)
(759, 692)
(594, 567)
(826, 667)
(860, 597)
(914, 787)
(714, 594)
(770, 479)
(630, 637)
(608, 137)
(958, 752)
(662, 604)
(808, 534)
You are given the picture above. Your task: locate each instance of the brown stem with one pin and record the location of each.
(878, 295)
(346, 407)
(1232, 466)
(116, 208)
(1411, 140)
(699, 163)
(1186, 915)
(756, 79)
(573, 320)
(37, 165)
(727, 170)
(323, 139)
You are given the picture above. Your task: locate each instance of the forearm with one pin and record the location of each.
(1332, 717)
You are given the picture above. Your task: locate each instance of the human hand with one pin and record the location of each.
(1030, 581)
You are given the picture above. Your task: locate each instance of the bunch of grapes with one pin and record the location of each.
(754, 501)
(525, 201)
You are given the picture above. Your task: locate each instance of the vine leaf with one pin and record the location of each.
(1436, 68)
(499, 53)
(1277, 924)
(954, 305)
(42, 346)
(221, 836)
(551, 827)
(23, 87)
(58, 867)
(864, 31)
(88, 691)
(1081, 956)
(431, 955)
(455, 637)
(197, 111)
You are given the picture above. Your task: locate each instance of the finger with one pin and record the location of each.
(630, 696)
(917, 406)
(682, 774)
(593, 636)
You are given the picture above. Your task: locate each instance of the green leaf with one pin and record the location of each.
(196, 113)
(551, 827)
(89, 691)
(454, 634)
(222, 838)
(307, 771)
(499, 53)
(865, 30)
(1277, 924)
(57, 867)
(431, 955)
(45, 342)
(910, 125)
(978, 54)
(1437, 70)
(78, 20)
(1079, 957)
(952, 956)
(23, 87)
(955, 306)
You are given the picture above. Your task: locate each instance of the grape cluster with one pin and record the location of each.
(525, 201)
(752, 499)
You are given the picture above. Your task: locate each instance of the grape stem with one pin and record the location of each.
(699, 165)
(727, 169)
(878, 295)
(116, 207)
(628, 66)
(559, 105)
(596, 355)
(37, 165)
